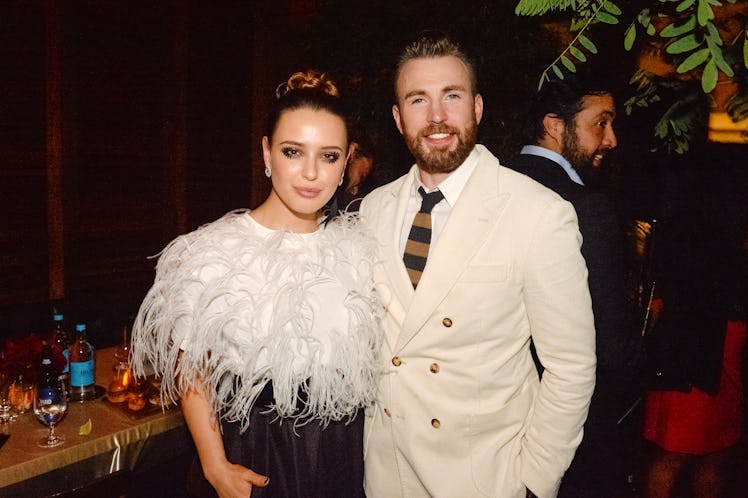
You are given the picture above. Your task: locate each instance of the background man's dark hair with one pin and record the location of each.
(563, 98)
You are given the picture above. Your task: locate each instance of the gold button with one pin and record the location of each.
(396, 361)
(447, 322)
(434, 368)
(435, 423)
(387, 412)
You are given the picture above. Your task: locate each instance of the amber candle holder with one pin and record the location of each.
(21, 395)
(117, 390)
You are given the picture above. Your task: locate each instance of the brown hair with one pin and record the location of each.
(310, 80)
(431, 44)
(309, 89)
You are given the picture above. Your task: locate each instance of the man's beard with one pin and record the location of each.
(441, 160)
(580, 160)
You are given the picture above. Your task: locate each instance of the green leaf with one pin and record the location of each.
(644, 17)
(709, 77)
(745, 49)
(719, 60)
(612, 8)
(605, 17)
(568, 64)
(685, 4)
(629, 37)
(695, 59)
(577, 23)
(651, 30)
(543, 79)
(578, 54)
(661, 128)
(715, 47)
(557, 71)
(672, 30)
(713, 33)
(681, 45)
(704, 12)
(587, 43)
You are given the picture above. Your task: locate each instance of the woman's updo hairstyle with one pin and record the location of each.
(309, 89)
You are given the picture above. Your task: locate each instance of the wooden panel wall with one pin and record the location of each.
(122, 125)
(23, 192)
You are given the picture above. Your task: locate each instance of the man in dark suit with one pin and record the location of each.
(570, 130)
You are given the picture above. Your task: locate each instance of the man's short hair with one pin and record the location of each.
(430, 44)
(563, 98)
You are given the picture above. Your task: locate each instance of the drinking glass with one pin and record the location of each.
(6, 407)
(7, 414)
(50, 406)
(122, 352)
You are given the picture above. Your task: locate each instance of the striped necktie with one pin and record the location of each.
(419, 239)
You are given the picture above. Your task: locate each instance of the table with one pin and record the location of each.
(119, 441)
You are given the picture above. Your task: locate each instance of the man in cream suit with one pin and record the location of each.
(461, 411)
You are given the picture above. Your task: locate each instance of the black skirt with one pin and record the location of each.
(301, 461)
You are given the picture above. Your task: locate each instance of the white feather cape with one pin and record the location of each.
(240, 306)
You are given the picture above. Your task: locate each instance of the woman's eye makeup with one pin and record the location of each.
(331, 157)
(290, 151)
(295, 152)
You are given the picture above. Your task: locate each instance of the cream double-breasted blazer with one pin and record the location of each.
(461, 411)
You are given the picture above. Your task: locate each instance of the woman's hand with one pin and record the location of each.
(233, 480)
(228, 479)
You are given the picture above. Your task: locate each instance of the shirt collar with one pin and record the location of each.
(557, 158)
(453, 185)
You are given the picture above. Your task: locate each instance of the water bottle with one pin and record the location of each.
(82, 384)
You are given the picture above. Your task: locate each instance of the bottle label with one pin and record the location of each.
(82, 373)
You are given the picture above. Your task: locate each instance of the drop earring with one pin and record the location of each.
(341, 181)
(267, 170)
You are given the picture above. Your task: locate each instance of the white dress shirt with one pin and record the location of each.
(537, 150)
(451, 188)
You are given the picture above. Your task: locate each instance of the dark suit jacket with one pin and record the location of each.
(602, 248)
(616, 332)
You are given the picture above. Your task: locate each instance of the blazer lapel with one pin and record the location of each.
(397, 293)
(470, 223)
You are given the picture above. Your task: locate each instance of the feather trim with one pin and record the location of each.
(240, 307)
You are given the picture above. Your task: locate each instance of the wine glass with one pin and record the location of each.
(50, 406)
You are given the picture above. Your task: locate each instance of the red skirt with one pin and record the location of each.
(696, 422)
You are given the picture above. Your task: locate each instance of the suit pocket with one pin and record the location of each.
(485, 273)
(495, 444)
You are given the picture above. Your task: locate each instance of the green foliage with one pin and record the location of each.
(680, 122)
(691, 40)
(540, 7)
(697, 38)
(737, 107)
(587, 13)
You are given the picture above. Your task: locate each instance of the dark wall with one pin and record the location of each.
(124, 124)
(152, 118)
